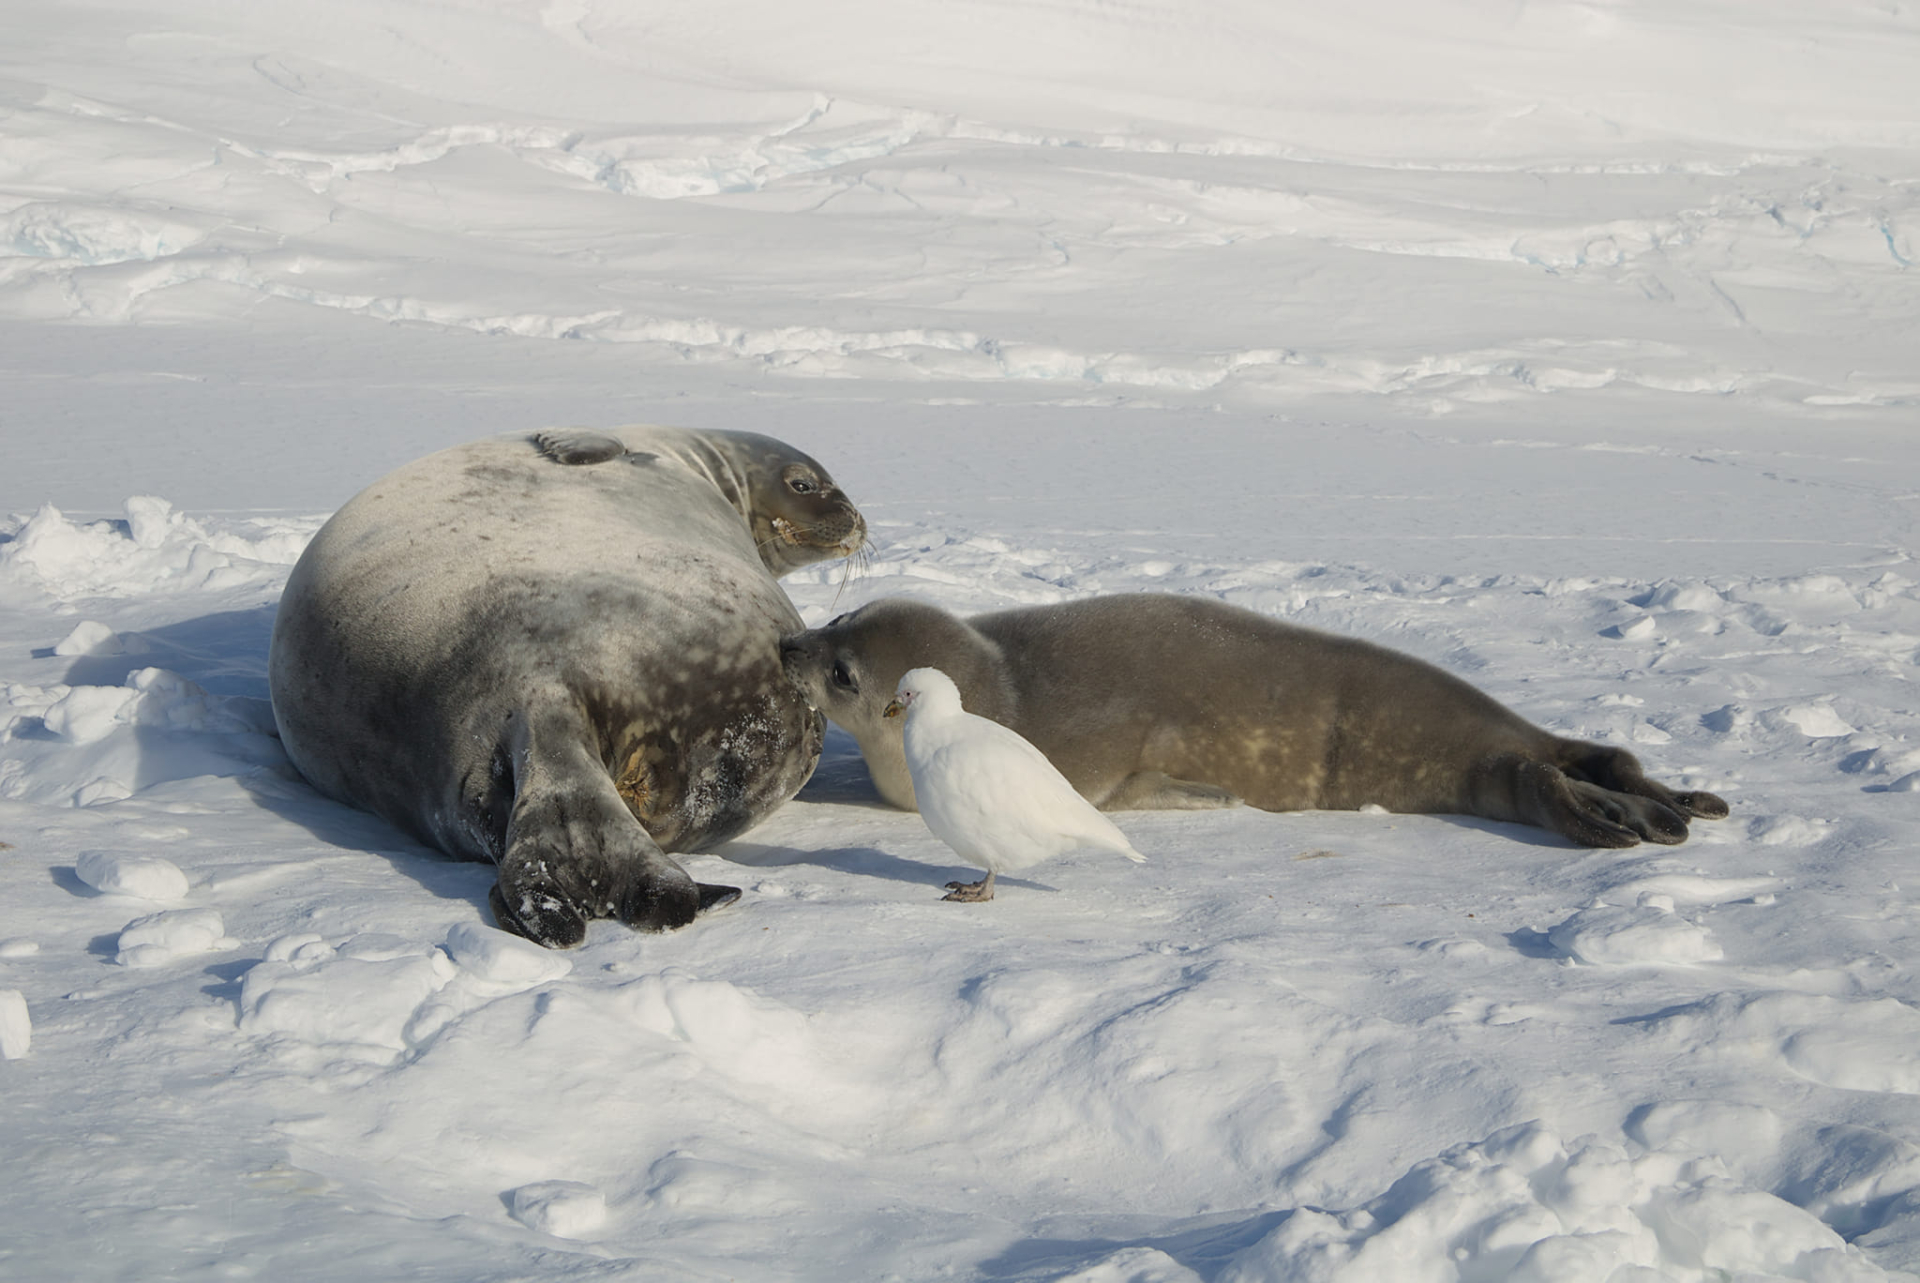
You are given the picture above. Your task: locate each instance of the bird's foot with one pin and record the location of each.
(970, 892)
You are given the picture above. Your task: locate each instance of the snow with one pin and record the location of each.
(1568, 346)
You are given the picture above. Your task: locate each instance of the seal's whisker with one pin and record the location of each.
(855, 566)
(846, 573)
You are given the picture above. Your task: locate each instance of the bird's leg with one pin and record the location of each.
(971, 892)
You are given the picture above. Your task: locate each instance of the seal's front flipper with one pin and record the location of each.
(577, 446)
(1158, 791)
(713, 896)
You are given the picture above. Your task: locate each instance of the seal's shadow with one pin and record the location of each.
(863, 861)
(225, 653)
(841, 776)
(866, 862)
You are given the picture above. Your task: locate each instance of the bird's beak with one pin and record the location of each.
(893, 709)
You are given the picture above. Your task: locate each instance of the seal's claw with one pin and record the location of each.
(544, 920)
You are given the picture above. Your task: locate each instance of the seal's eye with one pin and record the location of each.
(800, 485)
(843, 677)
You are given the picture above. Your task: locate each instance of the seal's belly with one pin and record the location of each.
(695, 784)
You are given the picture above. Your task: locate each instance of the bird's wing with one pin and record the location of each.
(1032, 775)
(990, 790)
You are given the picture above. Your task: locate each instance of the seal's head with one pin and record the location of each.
(850, 668)
(798, 514)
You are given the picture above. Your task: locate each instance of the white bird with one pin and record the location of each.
(986, 792)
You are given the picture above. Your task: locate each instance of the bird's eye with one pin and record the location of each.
(843, 678)
(800, 485)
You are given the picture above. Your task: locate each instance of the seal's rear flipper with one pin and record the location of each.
(573, 851)
(1579, 810)
(1158, 791)
(1618, 771)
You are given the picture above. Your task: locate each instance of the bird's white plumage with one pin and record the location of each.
(986, 792)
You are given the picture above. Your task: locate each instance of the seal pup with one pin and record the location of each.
(1152, 701)
(987, 793)
(560, 652)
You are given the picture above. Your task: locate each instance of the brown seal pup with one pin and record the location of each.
(1152, 701)
(560, 653)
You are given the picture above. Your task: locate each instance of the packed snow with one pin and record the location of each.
(1569, 346)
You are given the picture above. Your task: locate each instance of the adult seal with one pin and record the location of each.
(560, 652)
(1150, 701)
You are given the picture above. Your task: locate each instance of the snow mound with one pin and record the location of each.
(1854, 1044)
(362, 992)
(564, 1209)
(1815, 721)
(1523, 1207)
(1696, 888)
(1133, 1265)
(112, 728)
(1743, 1136)
(16, 1028)
(90, 637)
(154, 549)
(381, 997)
(146, 877)
(1648, 932)
(160, 938)
(92, 235)
(491, 955)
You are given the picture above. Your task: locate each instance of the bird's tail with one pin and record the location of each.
(1099, 831)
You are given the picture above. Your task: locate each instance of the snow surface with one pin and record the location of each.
(1571, 346)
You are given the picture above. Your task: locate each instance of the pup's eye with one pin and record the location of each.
(843, 678)
(800, 485)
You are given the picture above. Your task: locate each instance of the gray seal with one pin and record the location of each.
(1153, 701)
(560, 653)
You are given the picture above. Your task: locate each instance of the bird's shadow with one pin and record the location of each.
(861, 861)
